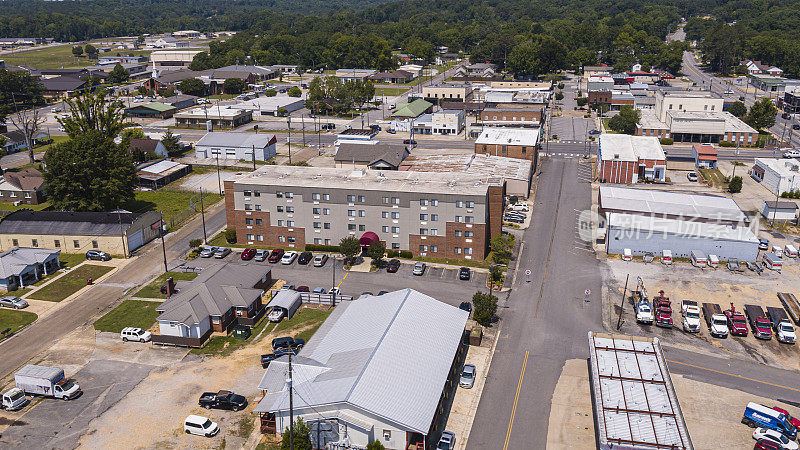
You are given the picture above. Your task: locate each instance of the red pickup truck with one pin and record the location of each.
(663, 311)
(737, 323)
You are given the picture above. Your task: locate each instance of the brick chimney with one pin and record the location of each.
(170, 287)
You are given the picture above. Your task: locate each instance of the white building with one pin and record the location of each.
(355, 74)
(173, 59)
(781, 210)
(371, 380)
(777, 175)
(444, 122)
(230, 145)
(599, 83)
(269, 106)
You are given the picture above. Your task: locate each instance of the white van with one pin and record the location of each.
(666, 257)
(627, 255)
(699, 259)
(713, 261)
(772, 261)
(135, 334)
(790, 251)
(201, 426)
(778, 251)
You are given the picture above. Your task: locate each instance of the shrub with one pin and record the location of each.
(270, 93)
(582, 101)
(406, 254)
(230, 235)
(735, 185)
(513, 199)
(555, 137)
(667, 141)
(392, 253)
(375, 445)
(485, 308)
(559, 96)
(322, 248)
(295, 91)
(726, 144)
(785, 195)
(194, 243)
(561, 85)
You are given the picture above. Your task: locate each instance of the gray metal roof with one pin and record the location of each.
(366, 357)
(226, 139)
(674, 204)
(67, 223)
(392, 154)
(14, 261)
(285, 299)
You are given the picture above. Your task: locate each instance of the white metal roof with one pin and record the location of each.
(370, 357)
(635, 402)
(161, 166)
(646, 225)
(785, 168)
(674, 204)
(624, 147)
(227, 139)
(508, 136)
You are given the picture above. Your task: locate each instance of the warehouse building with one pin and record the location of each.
(522, 143)
(777, 175)
(648, 221)
(269, 106)
(238, 146)
(367, 380)
(627, 159)
(451, 215)
(226, 118)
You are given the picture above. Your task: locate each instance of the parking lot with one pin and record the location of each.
(571, 129)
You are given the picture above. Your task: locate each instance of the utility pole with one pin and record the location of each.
(163, 247)
(289, 138)
(621, 306)
(319, 137)
(219, 179)
(303, 123)
(291, 404)
(254, 157)
(203, 215)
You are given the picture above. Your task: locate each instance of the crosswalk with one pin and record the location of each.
(566, 155)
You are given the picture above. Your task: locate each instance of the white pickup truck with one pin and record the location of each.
(644, 312)
(691, 316)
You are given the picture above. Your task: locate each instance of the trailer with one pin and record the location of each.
(781, 325)
(791, 304)
(709, 309)
(762, 328)
(776, 315)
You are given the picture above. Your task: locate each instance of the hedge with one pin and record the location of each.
(321, 248)
(399, 254)
(667, 141)
(726, 144)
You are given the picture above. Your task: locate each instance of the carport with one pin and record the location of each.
(287, 300)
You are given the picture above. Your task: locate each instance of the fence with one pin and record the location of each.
(182, 217)
(319, 299)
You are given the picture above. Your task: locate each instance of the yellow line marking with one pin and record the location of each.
(344, 278)
(516, 399)
(734, 375)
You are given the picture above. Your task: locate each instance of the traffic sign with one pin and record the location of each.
(587, 292)
(527, 271)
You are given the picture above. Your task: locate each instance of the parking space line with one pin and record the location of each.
(734, 375)
(516, 399)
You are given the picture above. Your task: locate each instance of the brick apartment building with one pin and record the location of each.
(522, 143)
(628, 159)
(430, 214)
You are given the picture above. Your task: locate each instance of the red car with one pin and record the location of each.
(276, 255)
(793, 420)
(302, 289)
(766, 444)
(248, 254)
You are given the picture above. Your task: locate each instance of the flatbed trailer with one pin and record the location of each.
(709, 309)
(776, 315)
(791, 304)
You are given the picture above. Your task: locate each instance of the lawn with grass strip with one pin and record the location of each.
(153, 290)
(70, 283)
(55, 57)
(70, 260)
(14, 319)
(303, 318)
(225, 345)
(7, 206)
(171, 202)
(130, 313)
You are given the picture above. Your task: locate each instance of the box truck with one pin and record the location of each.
(46, 381)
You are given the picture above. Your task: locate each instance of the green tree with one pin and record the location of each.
(375, 445)
(92, 111)
(230, 235)
(77, 50)
(192, 86)
(301, 438)
(128, 134)
(91, 51)
(166, 92)
(485, 308)
(201, 61)
(89, 172)
(376, 251)
(349, 247)
(295, 91)
(171, 142)
(722, 47)
(270, 93)
(738, 109)
(501, 246)
(523, 61)
(762, 114)
(582, 101)
(735, 185)
(559, 96)
(234, 86)
(18, 90)
(118, 74)
(626, 120)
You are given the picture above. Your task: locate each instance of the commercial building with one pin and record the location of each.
(159, 173)
(23, 266)
(152, 110)
(768, 83)
(228, 145)
(413, 109)
(220, 297)
(791, 100)
(635, 404)
(444, 122)
(522, 143)
(180, 101)
(705, 156)
(515, 173)
(693, 116)
(395, 77)
(370, 155)
(622, 158)
(781, 210)
(117, 233)
(519, 116)
(270, 106)
(172, 59)
(441, 92)
(648, 221)
(429, 214)
(599, 83)
(355, 74)
(777, 175)
(25, 187)
(213, 118)
(369, 381)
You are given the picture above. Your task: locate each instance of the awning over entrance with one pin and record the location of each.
(367, 239)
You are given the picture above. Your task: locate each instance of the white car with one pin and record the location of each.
(791, 154)
(135, 334)
(201, 426)
(774, 436)
(288, 257)
(519, 207)
(644, 313)
(718, 325)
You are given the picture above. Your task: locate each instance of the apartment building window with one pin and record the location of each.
(281, 238)
(351, 212)
(351, 198)
(712, 107)
(260, 237)
(362, 213)
(248, 193)
(326, 197)
(459, 219)
(315, 196)
(395, 245)
(459, 204)
(26, 194)
(290, 223)
(423, 248)
(258, 221)
(351, 227)
(504, 149)
(423, 202)
(280, 223)
(326, 225)
(423, 231)
(705, 107)
(75, 244)
(327, 242)
(326, 211)
(15, 243)
(248, 221)
(317, 224)
(458, 250)
(395, 200)
(434, 217)
(279, 194)
(250, 237)
(467, 250)
(362, 228)
(524, 150)
(316, 211)
(385, 200)
(470, 204)
(362, 198)
(279, 208)
(469, 219)
(290, 195)
(469, 233)
(12, 194)
(385, 214)
(680, 107)
(423, 217)
(434, 202)
(317, 241)
(256, 193)
(457, 233)
(395, 229)
(290, 238)
(94, 244)
(248, 207)
(34, 243)
(57, 243)
(258, 207)
(385, 229)
(290, 209)
(395, 215)
(434, 248)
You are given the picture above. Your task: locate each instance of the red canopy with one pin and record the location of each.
(368, 238)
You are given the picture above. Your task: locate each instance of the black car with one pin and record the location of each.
(97, 255)
(223, 400)
(410, 142)
(284, 342)
(464, 273)
(393, 265)
(466, 306)
(383, 292)
(786, 116)
(305, 258)
(795, 126)
(268, 358)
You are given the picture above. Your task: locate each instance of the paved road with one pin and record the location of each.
(18, 349)
(544, 321)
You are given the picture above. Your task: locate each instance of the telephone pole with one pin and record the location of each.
(291, 404)
(203, 215)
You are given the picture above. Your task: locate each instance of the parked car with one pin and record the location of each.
(393, 265)
(222, 400)
(288, 287)
(419, 268)
(464, 273)
(208, 252)
(772, 435)
(757, 415)
(691, 176)
(786, 116)
(200, 426)
(737, 323)
(648, 257)
(97, 255)
(795, 126)
(519, 207)
(318, 290)
(391, 131)
(13, 399)
(409, 142)
(320, 260)
(766, 444)
(305, 258)
(222, 252)
(791, 154)
(594, 132)
(288, 257)
(513, 219)
(13, 302)
(248, 254)
(792, 420)
(644, 312)
(763, 244)
(467, 379)
(282, 342)
(761, 325)
(275, 255)
(283, 351)
(276, 315)
(135, 334)
(447, 441)
(302, 289)
(335, 291)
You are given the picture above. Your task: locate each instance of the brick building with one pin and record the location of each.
(522, 143)
(510, 116)
(628, 159)
(431, 214)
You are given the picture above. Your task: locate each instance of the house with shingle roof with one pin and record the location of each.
(23, 266)
(26, 187)
(380, 156)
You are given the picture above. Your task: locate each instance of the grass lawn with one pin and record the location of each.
(56, 57)
(8, 206)
(225, 345)
(70, 283)
(390, 91)
(715, 176)
(14, 319)
(153, 290)
(70, 260)
(171, 202)
(221, 96)
(56, 140)
(130, 313)
(304, 317)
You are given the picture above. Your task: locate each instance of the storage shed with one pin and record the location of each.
(287, 300)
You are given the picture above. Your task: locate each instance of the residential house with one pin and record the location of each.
(63, 86)
(220, 297)
(372, 155)
(756, 68)
(626, 159)
(355, 74)
(395, 77)
(15, 140)
(522, 143)
(24, 266)
(483, 70)
(378, 386)
(152, 110)
(705, 156)
(166, 42)
(148, 147)
(24, 187)
(228, 145)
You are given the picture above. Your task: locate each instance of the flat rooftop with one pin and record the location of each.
(369, 180)
(690, 206)
(267, 102)
(624, 147)
(508, 136)
(692, 94)
(471, 163)
(782, 166)
(646, 226)
(212, 112)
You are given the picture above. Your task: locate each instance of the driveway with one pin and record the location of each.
(571, 129)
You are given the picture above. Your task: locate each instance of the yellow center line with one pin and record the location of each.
(516, 399)
(343, 278)
(734, 375)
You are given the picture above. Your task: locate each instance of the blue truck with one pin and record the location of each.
(756, 415)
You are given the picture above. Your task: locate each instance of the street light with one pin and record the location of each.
(289, 138)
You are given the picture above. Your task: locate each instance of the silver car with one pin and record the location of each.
(447, 441)
(419, 268)
(467, 379)
(13, 302)
(222, 252)
(261, 255)
(208, 252)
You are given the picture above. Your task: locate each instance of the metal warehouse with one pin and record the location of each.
(634, 400)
